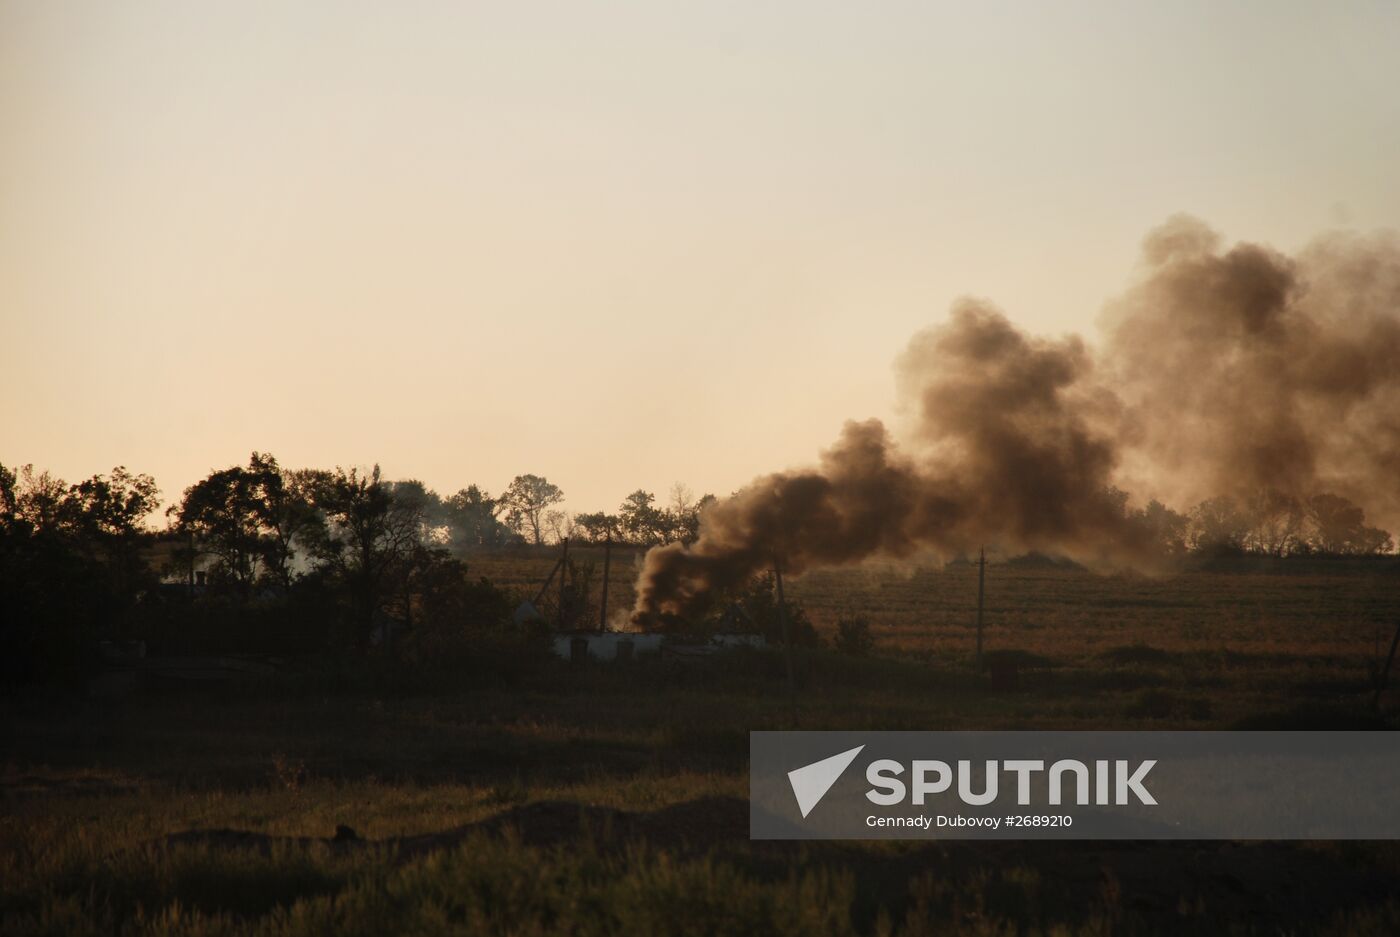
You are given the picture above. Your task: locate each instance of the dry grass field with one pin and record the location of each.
(519, 794)
(1215, 644)
(1240, 605)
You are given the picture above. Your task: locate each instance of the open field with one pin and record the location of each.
(1243, 605)
(545, 798)
(1223, 641)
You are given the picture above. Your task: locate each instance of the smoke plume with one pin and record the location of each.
(1221, 372)
(1244, 370)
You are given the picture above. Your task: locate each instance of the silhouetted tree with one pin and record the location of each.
(759, 600)
(1218, 525)
(1339, 526)
(251, 518)
(367, 535)
(559, 525)
(1275, 523)
(684, 514)
(526, 500)
(73, 562)
(453, 604)
(105, 517)
(56, 597)
(224, 512)
(1166, 528)
(595, 527)
(38, 498)
(413, 494)
(8, 488)
(287, 515)
(640, 520)
(473, 520)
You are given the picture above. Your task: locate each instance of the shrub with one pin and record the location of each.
(760, 601)
(853, 637)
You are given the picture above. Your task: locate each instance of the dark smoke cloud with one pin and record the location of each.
(1244, 370)
(1014, 448)
(1223, 372)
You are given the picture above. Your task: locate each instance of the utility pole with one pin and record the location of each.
(607, 557)
(563, 579)
(981, 590)
(787, 635)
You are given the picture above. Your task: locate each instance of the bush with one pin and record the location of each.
(760, 603)
(853, 637)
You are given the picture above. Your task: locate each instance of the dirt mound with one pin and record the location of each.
(697, 824)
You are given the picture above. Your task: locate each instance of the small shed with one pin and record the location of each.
(605, 645)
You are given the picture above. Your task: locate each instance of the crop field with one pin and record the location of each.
(508, 792)
(1243, 605)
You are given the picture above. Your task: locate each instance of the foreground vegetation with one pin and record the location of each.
(496, 789)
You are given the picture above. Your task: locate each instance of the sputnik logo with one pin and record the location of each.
(811, 782)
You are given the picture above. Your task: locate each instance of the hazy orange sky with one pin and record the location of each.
(617, 244)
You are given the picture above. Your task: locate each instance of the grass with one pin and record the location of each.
(596, 799)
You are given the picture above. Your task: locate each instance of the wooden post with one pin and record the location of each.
(607, 557)
(191, 589)
(563, 579)
(787, 634)
(1385, 671)
(981, 590)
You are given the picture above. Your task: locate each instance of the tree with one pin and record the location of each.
(225, 512)
(103, 519)
(597, 526)
(368, 534)
(286, 514)
(451, 604)
(526, 500)
(37, 498)
(559, 524)
(473, 520)
(640, 520)
(252, 519)
(61, 587)
(1167, 528)
(1339, 526)
(413, 494)
(8, 489)
(1218, 524)
(680, 511)
(758, 598)
(683, 515)
(1275, 523)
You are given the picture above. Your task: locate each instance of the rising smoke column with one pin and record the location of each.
(1244, 370)
(1222, 372)
(1011, 449)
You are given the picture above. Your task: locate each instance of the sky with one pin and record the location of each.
(616, 244)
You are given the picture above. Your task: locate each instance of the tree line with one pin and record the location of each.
(1265, 523)
(311, 559)
(258, 555)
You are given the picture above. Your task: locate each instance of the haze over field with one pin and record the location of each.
(617, 244)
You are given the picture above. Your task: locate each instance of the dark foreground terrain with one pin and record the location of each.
(508, 792)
